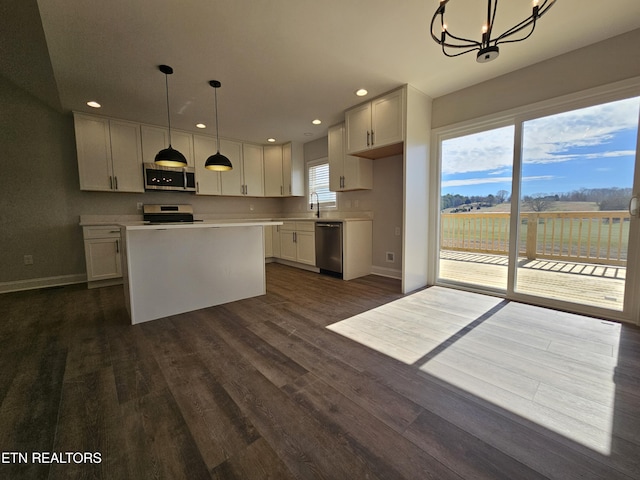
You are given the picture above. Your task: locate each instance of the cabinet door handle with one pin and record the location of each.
(368, 138)
(197, 187)
(295, 237)
(281, 190)
(241, 189)
(110, 182)
(115, 181)
(373, 138)
(117, 246)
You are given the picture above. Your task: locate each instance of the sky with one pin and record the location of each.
(593, 147)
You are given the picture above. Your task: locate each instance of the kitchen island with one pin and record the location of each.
(170, 269)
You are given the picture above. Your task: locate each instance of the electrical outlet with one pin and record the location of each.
(28, 259)
(397, 231)
(391, 257)
(139, 206)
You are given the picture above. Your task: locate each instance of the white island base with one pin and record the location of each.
(172, 269)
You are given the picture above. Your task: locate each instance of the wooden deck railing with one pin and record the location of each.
(590, 237)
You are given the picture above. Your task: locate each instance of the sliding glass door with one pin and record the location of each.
(578, 170)
(476, 178)
(537, 209)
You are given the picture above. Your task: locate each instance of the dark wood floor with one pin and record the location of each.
(261, 389)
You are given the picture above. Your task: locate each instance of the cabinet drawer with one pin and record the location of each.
(306, 226)
(288, 226)
(106, 231)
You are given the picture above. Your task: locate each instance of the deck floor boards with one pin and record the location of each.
(318, 379)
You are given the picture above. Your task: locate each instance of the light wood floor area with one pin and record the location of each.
(595, 285)
(318, 379)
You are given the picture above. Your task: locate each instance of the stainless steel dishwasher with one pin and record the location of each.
(329, 247)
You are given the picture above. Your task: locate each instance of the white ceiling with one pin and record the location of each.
(283, 63)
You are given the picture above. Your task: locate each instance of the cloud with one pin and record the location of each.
(481, 181)
(556, 138)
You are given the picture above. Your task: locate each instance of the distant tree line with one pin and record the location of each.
(607, 199)
(457, 200)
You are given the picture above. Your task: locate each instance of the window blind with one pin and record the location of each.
(319, 183)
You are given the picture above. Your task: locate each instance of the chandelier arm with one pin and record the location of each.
(460, 53)
(530, 22)
(469, 42)
(491, 18)
(542, 9)
(439, 11)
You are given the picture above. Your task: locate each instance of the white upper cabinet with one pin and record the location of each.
(109, 154)
(253, 170)
(273, 175)
(155, 139)
(207, 181)
(376, 124)
(232, 180)
(293, 169)
(247, 176)
(284, 170)
(346, 172)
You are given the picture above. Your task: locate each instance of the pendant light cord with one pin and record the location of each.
(215, 90)
(166, 84)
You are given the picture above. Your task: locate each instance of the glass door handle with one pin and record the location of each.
(633, 206)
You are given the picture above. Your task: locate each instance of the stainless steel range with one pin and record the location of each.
(167, 213)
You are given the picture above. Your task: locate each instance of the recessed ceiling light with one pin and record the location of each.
(94, 104)
(317, 121)
(201, 125)
(361, 92)
(271, 140)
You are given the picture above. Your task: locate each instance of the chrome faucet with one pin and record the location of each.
(317, 204)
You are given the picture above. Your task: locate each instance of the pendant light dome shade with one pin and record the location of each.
(217, 162)
(169, 157)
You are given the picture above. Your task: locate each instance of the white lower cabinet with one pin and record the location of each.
(102, 254)
(268, 240)
(275, 240)
(298, 242)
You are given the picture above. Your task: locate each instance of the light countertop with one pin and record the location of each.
(199, 224)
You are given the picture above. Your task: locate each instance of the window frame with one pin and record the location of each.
(323, 204)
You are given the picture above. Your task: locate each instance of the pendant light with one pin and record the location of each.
(217, 161)
(169, 157)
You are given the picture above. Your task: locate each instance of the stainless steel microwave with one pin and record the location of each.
(181, 179)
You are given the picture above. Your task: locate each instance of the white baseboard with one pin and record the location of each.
(36, 283)
(386, 272)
